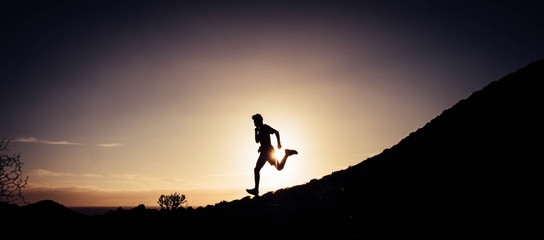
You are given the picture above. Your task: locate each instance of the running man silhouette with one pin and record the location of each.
(266, 150)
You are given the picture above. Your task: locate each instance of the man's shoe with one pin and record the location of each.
(253, 191)
(289, 152)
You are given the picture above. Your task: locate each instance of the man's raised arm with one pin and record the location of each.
(277, 137)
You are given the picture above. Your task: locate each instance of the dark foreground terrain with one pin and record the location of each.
(470, 172)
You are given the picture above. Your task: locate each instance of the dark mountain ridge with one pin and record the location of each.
(471, 171)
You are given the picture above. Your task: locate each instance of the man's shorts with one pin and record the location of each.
(267, 153)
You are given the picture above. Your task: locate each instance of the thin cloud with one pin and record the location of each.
(63, 142)
(109, 145)
(47, 173)
(42, 141)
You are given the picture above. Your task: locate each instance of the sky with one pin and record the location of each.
(114, 104)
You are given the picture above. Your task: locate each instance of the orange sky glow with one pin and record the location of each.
(116, 107)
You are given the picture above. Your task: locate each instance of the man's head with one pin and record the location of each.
(257, 120)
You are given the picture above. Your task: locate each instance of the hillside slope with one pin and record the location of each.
(470, 171)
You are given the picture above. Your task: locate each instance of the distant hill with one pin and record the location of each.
(471, 171)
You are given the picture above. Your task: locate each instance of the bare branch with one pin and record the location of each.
(4, 144)
(11, 180)
(171, 202)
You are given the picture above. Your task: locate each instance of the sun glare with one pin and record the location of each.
(279, 154)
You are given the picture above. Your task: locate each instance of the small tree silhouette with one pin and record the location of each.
(11, 182)
(172, 201)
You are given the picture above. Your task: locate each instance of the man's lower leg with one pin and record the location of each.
(255, 191)
(288, 152)
(257, 179)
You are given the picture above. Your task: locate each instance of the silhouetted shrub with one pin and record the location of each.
(171, 202)
(11, 182)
